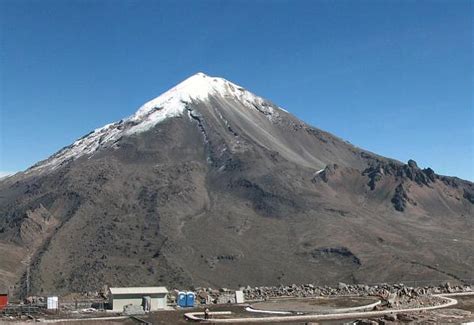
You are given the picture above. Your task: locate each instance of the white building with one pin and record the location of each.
(120, 297)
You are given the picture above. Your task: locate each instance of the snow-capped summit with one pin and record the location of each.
(196, 87)
(171, 103)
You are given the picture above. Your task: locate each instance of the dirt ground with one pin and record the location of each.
(465, 303)
(177, 317)
(11, 256)
(319, 304)
(457, 314)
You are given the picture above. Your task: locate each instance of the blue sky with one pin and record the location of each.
(393, 77)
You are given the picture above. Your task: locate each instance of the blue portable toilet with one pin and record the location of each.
(182, 299)
(190, 298)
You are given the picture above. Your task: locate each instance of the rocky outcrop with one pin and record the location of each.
(400, 198)
(409, 171)
(36, 225)
(468, 195)
(326, 173)
(375, 174)
(336, 253)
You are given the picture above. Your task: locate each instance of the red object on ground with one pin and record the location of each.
(3, 300)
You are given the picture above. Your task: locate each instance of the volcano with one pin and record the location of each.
(212, 185)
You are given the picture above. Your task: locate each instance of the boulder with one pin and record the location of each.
(412, 163)
(391, 317)
(342, 286)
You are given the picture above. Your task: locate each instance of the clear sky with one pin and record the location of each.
(393, 77)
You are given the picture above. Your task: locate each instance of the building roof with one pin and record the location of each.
(138, 290)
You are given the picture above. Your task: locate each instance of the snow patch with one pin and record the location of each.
(320, 171)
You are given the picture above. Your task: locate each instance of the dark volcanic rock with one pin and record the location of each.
(430, 174)
(336, 253)
(468, 195)
(376, 171)
(375, 174)
(326, 174)
(412, 164)
(400, 198)
(267, 203)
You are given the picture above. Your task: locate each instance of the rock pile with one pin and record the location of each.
(440, 316)
(381, 290)
(391, 295)
(206, 296)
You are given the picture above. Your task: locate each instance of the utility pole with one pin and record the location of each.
(28, 276)
(27, 262)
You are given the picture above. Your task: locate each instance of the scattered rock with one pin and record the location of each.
(342, 286)
(392, 294)
(328, 172)
(406, 317)
(391, 317)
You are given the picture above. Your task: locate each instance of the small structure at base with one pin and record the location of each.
(190, 299)
(3, 300)
(181, 299)
(239, 297)
(52, 303)
(151, 298)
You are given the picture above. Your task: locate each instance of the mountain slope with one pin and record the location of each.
(209, 184)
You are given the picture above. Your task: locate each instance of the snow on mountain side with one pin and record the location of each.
(170, 104)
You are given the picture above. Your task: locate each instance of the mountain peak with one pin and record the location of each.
(171, 103)
(197, 87)
(200, 74)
